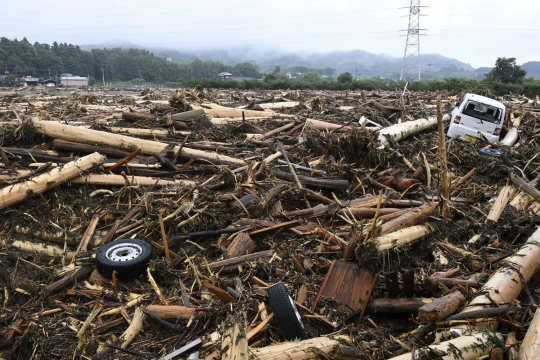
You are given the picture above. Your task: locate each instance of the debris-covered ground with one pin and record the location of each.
(237, 191)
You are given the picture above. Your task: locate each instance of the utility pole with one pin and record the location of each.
(429, 71)
(410, 69)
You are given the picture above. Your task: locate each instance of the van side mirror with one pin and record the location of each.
(458, 103)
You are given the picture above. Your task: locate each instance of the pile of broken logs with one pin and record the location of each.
(393, 241)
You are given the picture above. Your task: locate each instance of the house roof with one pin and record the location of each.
(225, 74)
(73, 78)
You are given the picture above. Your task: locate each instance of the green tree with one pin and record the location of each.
(277, 69)
(345, 77)
(312, 77)
(11, 80)
(507, 71)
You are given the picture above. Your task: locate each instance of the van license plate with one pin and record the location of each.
(470, 138)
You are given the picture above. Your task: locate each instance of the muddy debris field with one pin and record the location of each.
(164, 224)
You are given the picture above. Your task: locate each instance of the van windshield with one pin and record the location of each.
(483, 112)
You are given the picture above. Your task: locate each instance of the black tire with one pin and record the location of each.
(490, 152)
(129, 257)
(286, 313)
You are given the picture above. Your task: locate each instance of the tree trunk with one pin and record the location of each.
(96, 137)
(410, 218)
(133, 116)
(505, 285)
(391, 306)
(462, 348)
(402, 237)
(440, 308)
(17, 193)
(234, 342)
(70, 146)
(398, 132)
(314, 182)
(298, 350)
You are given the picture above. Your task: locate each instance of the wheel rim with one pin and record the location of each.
(124, 252)
(296, 312)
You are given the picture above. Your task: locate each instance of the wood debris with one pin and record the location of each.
(363, 211)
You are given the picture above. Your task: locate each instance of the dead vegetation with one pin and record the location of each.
(389, 240)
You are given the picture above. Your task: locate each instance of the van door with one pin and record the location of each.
(479, 117)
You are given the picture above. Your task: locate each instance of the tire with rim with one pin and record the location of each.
(286, 313)
(129, 257)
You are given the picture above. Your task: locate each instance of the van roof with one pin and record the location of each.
(484, 100)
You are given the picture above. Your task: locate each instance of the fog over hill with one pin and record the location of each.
(357, 62)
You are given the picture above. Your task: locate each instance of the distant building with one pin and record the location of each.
(30, 81)
(70, 80)
(169, 59)
(225, 76)
(47, 82)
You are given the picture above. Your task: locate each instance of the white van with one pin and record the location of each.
(477, 114)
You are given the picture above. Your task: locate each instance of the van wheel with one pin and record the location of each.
(129, 257)
(286, 313)
(490, 152)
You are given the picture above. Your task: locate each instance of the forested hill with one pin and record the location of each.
(22, 58)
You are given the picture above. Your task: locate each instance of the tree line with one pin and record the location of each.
(21, 58)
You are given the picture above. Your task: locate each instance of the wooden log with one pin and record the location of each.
(326, 126)
(96, 137)
(445, 181)
(499, 204)
(462, 348)
(398, 132)
(513, 347)
(71, 146)
(299, 350)
(172, 312)
(434, 281)
(273, 132)
(314, 182)
(523, 185)
(402, 237)
(399, 305)
(232, 263)
(321, 210)
(17, 193)
(215, 110)
(512, 134)
(234, 342)
(187, 115)
(118, 180)
(530, 346)
(133, 116)
(410, 218)
(506, 283)
(77, 276)
(48, 251)
(440, 308)
(134, 328)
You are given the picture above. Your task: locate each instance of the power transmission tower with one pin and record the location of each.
(410, 70)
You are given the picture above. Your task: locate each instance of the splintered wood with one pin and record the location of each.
(346, 220)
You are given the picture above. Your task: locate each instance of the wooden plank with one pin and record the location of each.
(348, 284)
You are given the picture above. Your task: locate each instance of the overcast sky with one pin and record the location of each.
(475, 32)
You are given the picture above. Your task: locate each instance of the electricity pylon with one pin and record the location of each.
(410, 69)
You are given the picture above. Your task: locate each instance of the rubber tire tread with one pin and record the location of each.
(125, 270)
(285, 313)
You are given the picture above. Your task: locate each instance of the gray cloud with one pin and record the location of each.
(475, 32)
